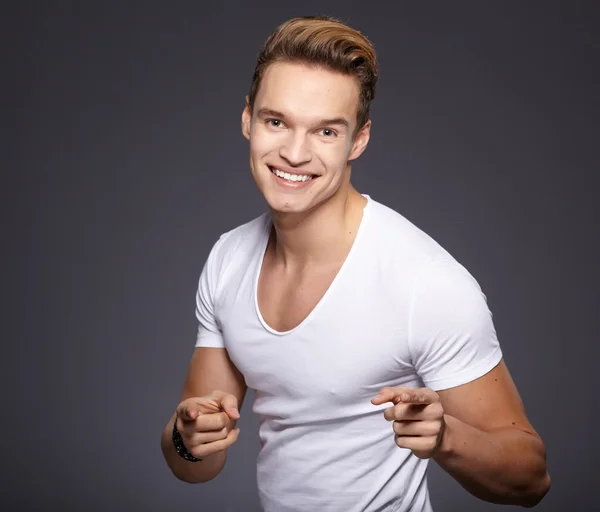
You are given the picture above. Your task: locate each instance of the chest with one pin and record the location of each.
(326, 336)
(353, 342)
(286, 299)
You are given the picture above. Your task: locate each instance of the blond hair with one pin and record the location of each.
(322, 41)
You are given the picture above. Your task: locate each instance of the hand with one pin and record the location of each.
(206, 423)
(418, 418)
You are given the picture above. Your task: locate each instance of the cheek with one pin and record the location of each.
(260, 145)
(335, 157)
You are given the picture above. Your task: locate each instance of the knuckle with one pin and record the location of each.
(213, 421)
(401, 442)
(205, 422)
(189, 442)
(197, 439)
(398, 411)
(208, 422)
(435, 411)
(221, 445)
(432, 428)
(232, 437)
(198, 451)
(199, 448)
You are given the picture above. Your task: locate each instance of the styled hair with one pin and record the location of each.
(326, 42)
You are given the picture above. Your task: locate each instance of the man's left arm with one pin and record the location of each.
(468, 416)
(478, 432)
(489, 445)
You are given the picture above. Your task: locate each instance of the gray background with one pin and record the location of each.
(123, 161)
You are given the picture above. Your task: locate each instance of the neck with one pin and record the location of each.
(323, 235)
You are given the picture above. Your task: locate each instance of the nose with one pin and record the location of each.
(295, 151)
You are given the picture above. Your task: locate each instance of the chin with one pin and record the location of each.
(287, 204)
(295, 198)
(281, 201)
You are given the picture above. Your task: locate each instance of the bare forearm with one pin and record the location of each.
(191, 472)
(504, 466)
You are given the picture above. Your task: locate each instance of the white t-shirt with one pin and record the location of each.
(400, 312)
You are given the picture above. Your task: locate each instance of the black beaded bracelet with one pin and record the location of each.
(180, 447)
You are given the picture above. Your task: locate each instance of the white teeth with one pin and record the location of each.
(291, 177)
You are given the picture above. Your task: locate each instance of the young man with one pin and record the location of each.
(370, 349)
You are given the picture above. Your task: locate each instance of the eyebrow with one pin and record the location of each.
(267, 112)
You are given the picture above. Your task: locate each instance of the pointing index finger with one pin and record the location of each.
(188, 410)
(186, 413)
(404, 395)
(388, 394)
(418, 396)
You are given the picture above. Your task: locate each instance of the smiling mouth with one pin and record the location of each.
(292, 178)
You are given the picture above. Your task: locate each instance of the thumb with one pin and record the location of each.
(229, 404)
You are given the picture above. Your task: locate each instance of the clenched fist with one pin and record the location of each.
(206, 423)
(418, 418)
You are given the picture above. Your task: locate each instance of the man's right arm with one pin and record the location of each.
(210, 369)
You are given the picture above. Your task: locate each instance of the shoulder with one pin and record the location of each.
(414, 262)
(392, 233)
(446, 283)
(249, 233)
(234, 248)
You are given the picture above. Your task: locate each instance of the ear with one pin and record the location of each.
(361, 139)
(246, 118)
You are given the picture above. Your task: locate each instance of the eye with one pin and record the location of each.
(275, 123)
(328, 132)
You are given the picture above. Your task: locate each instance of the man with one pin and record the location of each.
(370, 349)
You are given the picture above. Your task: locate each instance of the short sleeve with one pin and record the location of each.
(451, 332)
(209, 332)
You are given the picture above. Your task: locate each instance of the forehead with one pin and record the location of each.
(304, 91)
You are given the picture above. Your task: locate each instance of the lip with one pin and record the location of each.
(297, 172)
(291, 184)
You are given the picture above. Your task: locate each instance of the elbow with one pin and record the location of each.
(187, 475)
(540, 482)
(537, 492)
(192, 479)
(540, 491)
(532, 485)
